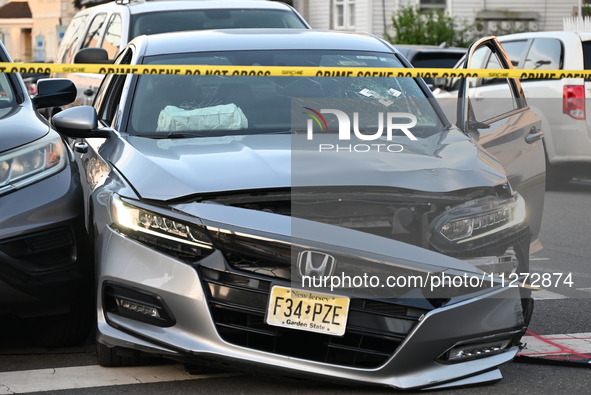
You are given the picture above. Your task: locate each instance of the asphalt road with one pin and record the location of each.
(559, 310)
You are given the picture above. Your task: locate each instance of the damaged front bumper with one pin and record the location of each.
(215, 308)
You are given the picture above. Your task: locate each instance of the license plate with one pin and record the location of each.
(307, 311)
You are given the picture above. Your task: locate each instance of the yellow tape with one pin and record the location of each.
(287, 71)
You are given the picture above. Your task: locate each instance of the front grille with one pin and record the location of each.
(274, 258)
(259, 265)
(238, 302)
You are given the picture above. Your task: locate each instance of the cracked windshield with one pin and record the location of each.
(217, 105)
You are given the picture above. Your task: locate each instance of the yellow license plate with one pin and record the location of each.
(307, 311)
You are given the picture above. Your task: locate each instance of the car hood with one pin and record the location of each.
(165, 169)
(19, 126)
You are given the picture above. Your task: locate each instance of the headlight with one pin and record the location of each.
(32, 162)
(169, 235)
(476, 220)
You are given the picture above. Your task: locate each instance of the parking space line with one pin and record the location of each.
(572, 346)
(544, 294)
(19, 382)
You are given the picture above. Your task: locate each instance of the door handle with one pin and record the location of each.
(534, 135)
(478, 96)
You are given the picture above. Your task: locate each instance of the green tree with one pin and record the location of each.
(412, 25)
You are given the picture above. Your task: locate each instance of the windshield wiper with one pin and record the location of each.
(172, 135)
(288, 131)
(213, 133)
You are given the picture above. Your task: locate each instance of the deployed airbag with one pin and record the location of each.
(221, 117)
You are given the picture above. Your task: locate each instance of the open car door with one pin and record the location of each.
(501, 121)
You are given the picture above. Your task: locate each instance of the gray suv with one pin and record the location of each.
(110, 26)
(45, 265)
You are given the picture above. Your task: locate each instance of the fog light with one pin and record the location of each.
(137, 307)
(472, 351)
(136, 304)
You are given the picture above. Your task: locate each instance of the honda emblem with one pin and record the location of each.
(315, 264)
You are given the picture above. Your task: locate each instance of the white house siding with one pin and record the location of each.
(363, 16)
(316, 12)
(465, 10)
(551, 12)
(371, 14)
(382, 13)
(302, 6)
(319, 16)
(556, 11)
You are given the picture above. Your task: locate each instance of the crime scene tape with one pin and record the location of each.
(287, 71)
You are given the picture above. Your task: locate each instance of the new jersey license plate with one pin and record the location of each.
(307, 311)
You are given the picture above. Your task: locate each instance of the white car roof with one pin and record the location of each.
(562, 35)
(258, 39)
(140, 6)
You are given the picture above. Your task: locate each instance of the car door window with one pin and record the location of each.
(6, 94)
(491, 98)
(544, 54)
(71, 37)
(112, 40)
(109, 95)
(478, 61)
(587, 56)
(493, 63)
(514, 50)
(93, 36)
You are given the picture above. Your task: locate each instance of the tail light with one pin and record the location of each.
(573, 101)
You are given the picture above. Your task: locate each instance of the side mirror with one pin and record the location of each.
(54, 92)
(79, 122)
(92, 55)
